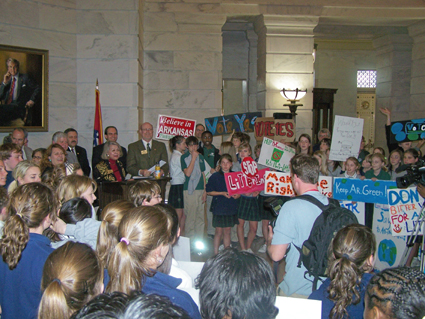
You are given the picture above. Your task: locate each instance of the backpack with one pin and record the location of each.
(314, 251)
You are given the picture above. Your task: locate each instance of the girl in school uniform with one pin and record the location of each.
(378, 170)
(223, 207)
(352, 166)
(32, 208)
(175, 197)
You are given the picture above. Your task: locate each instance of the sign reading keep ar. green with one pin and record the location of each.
(275, 155)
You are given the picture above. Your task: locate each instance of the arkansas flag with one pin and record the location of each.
(98, 128)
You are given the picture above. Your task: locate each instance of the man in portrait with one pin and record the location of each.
(18, 94)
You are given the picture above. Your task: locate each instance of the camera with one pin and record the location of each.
(414, 174)
(274, 204)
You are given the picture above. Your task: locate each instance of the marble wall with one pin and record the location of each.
(87, 40)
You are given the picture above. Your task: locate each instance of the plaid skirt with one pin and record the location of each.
(224, 221)
(248, 209)
(264, 214)
(175, 196)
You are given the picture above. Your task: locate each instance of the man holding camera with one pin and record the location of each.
(294, 224)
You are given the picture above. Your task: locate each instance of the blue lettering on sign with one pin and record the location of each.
(404, 196)
(253, 120)
(212, 128)
(240, 121)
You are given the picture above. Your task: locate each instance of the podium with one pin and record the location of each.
(112, 191)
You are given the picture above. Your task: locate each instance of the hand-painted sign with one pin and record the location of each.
(225, 124)
(278, 130)
(389, 248)
(170, 126)
(346, 138)
(277, 183)
(407, 130)
(241, 183)
(275, 155)
(367, 191)
(405, 210)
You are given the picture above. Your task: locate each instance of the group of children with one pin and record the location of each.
(197, 170)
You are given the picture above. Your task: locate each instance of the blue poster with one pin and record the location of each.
(405, 131)
(225, 124)
(367, 191)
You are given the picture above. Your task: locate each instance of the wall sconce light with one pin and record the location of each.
(293, 96)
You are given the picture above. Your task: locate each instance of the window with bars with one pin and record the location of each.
(366, 79)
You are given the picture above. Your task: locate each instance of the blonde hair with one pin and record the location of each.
(72, 276)
(382, 158)
(143, 190)
(28, 206)
(141, 231)
(74, 186)
(19, 172)
(108, 231)
(228, 148)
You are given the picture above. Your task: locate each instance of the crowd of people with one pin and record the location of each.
(62, 259)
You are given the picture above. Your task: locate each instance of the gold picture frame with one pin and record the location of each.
(32, 83)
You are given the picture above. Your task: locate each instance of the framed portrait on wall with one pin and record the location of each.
(24, 88)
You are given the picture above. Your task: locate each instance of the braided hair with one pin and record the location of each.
(398, 293)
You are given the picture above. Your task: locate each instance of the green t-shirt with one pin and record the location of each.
(382, 175)
(209, 156)
(201, 160)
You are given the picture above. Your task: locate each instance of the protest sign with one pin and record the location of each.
(368, 191)
(277, 183)
(170, 126)
(404, 131)
(405, 210)
(389, 248)
(358, 208)
(225, 124)
(279, 130)
(242, 183)
(275, 155)
(346, 137)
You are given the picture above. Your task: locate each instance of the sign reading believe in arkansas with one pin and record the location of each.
(170, 126)
(367, 191)
(405, 210)
(225, 124)
(275, 155)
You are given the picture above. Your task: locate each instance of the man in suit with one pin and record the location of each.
(111, 135)
(144, 154)
(17, 93)
(20, 138)
(79, 151)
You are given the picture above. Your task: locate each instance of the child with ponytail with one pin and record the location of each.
(72, 276)
(350, 268)
(32, 208)
(144, 240)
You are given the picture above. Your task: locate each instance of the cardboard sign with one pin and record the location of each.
(275, 155)
(405, 131)
(225, 124)
(367, 191)
(358, 208)
(278, 130)
(170, 126)
(346, 138)
(389, 248)
(239, 183)
(276, 183)
(405, 210)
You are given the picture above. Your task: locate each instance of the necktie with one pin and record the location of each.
(149, 149)
(12, 89)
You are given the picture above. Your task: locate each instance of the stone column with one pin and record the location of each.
(417, 84)
(285, 47)
(252, 70)
(393, 54)
(182, 64)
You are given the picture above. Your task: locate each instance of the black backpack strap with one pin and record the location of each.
(313, 200)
